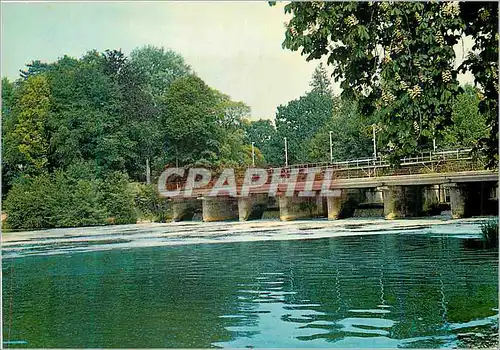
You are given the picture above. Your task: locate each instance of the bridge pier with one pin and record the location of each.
(470, 199)
(402, 201)
(219, 208)
(252, 207)
(184, 209)
(344, 205)
(294, 207)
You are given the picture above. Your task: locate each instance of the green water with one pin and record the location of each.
(406, 290)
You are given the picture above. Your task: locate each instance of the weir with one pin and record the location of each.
(402, 201)
(343, 206)
(219, 208)
(184, 209)
(295, 207)
(471, 199)
(252, 207)
(418, 187)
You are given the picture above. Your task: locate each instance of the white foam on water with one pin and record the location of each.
(58, 241)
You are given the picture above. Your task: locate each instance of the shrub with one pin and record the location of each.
(489, 232)
(150, 205)
(118, 199)
(29, 203)
(68, 199)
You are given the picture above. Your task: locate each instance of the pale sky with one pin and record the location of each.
(234, 47)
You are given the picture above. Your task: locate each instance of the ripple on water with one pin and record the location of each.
(394, 290)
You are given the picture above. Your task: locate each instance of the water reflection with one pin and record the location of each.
(364, 291)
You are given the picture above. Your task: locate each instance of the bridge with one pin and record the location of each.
(420, 185)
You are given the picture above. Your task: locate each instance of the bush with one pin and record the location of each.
(68, 199)
(118, 199)
(489, 231)
(29, 203)
(149, 204)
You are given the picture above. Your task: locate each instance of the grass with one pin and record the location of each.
(489, 231)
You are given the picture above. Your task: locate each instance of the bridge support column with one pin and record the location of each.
(402, 201)
(184, 209)
(469, 199)
(293, 208)
(219, 208)
(458, 201)
(252, 207)
(344, 205)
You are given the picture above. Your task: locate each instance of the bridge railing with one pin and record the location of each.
(445, 160)
(457, 154)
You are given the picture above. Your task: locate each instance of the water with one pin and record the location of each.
(403, 289)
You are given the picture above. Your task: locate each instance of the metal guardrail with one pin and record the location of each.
(373, 167)
(427, 157)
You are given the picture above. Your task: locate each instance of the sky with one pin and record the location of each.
(234, 47)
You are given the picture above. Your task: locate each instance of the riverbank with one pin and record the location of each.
(54, 241)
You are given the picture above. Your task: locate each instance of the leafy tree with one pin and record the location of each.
(28, 203)
(118, 198)
(159, 67)
(351, 136)
(469, 125)
(34, 67)
(481, 23)
(320, 82)
(149, 204)
(299, 120)
(263, 133)
(12, 158)
(230, 116)
(88, 120)
(33, 107)
(397, 60)
(76, 197)
(190, 121)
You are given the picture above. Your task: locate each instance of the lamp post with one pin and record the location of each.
(253, 154)
(286, 153)
(374, 143)
(331, 147)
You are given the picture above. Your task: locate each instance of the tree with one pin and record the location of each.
(159, 67)
(351, 136)
(299, 120)
(31, 128)
(189, 119)
(320, 82)
(230, 116)
(397, 60)
(34, 67)
(263, 133)
(89, 120)
(12, 158)
(469, 125)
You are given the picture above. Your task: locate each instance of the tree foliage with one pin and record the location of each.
(300, 119)
(111, 113)
(351, 136)
(264, 135)
(75, 197)
(397, 60)
(30, 130)
(320, 82)
(469, 125)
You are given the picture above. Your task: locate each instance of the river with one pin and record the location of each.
(349, 283)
